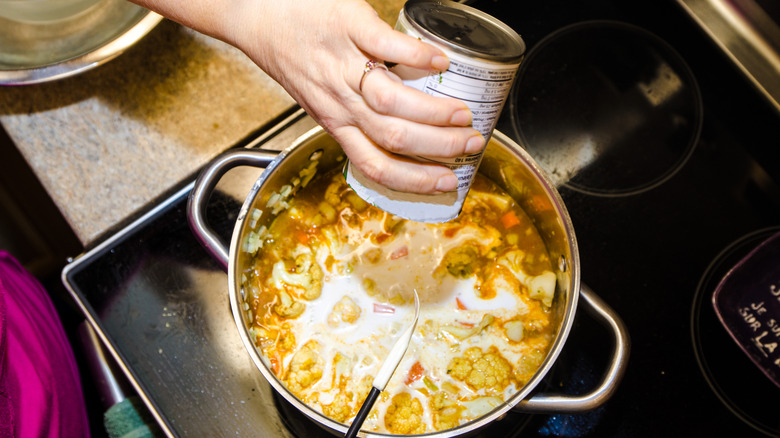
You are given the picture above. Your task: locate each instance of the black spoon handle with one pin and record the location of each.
(368, 403)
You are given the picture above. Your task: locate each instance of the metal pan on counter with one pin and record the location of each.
(44, 41)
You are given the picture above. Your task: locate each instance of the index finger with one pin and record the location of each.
(384, 43)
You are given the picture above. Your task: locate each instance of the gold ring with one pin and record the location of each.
(370, 65)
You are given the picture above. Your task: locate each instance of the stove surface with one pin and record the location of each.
(654, 255)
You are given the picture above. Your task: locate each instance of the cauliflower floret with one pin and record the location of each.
(287, 308)
(528, 365)
(460, 261)
(345, 310)
(481, 370)
(346, 403)
(305, 368)
(340, 409)
(462, 332)
(446, 413)
(342, 369)
(513, 260)
(542, 288)
(305, 276)
(286, 341)
(480, 406)
(404, 415)
(492, 201)
(333, 192)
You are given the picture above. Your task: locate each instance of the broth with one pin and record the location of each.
(330, 288)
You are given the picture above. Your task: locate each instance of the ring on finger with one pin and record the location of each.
(370, 65)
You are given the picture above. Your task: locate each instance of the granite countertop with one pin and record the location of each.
(108, 142)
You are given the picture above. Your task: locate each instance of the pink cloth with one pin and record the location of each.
(40, 388)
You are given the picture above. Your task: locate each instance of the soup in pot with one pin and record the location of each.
(330, 287)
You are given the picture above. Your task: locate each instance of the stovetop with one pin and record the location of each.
(655, 255)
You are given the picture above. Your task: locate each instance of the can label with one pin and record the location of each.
(482, 84)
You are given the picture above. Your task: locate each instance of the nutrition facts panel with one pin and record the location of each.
(483, 88)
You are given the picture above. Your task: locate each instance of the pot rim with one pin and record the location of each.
(567, 318)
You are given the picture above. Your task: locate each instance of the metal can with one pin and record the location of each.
(485, 55)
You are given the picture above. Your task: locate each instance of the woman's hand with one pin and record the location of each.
(317, 50)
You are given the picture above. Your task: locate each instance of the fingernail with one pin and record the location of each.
(461, 118)
(475, 144)
(440, 63)
(447, 183)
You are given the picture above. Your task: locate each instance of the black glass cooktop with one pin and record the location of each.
(657, 226)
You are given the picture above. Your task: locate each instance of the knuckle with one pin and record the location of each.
(449, 145)
(409, 182)
(328, 124)
(374, 170)
(384, 101)
(394, 139)
(419, 185)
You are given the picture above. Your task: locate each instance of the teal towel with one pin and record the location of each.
(130, 419)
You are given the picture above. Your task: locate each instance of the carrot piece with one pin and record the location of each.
(276, 365)
(400, 252)
(415, 372)
(460, 304)
(509, 219)
(302, 237)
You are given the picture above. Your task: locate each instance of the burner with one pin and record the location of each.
(736, 381)
(606, 108)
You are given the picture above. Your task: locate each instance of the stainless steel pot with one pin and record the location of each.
(505, 163)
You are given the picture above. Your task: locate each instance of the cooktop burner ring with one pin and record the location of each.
(607, 108)
(718, 355)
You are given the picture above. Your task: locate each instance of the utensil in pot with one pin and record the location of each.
(386, 371)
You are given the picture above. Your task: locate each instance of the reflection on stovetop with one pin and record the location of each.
(645, 254)
(161, 302)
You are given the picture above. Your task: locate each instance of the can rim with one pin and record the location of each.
(514, 44)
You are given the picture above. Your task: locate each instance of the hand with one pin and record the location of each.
(317, 49)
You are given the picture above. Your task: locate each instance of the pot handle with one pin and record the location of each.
(544, 403)
(205, 184)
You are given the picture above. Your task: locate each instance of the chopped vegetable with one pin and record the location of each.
(345, 310)
(542, 288)
(254, 216)
(481, 369)
(404, 415)
(466, 330)
(509, 219)
(514, 330)
(287, 307)
(399, 253)
(430, 385)
(415, 373)
(460, 261)
(302, 237)
(384, 308)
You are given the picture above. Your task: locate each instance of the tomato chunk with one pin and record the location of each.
(415, 372)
